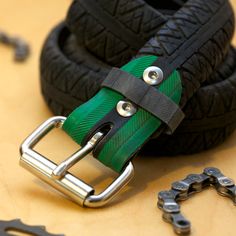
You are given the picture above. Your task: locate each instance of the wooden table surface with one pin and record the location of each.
(133, 212)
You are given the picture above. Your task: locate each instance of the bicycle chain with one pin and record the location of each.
(21, 48)
(182, 190)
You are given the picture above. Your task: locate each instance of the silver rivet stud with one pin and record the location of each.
(153, 75)
(125, 108)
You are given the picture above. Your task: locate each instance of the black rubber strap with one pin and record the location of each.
(145, 96)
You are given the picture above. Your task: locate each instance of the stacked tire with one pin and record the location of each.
(98, 35)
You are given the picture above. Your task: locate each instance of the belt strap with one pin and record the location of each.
(135, 131)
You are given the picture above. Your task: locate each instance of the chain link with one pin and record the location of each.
(182, 190)
(21, 48)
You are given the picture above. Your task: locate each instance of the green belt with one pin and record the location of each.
(125, 143)
(114, 147)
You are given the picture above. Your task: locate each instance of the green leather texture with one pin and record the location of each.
(117, 151)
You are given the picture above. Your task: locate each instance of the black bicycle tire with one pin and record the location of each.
(111, 33)
(52, 41)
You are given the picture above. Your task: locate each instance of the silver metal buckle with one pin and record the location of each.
(58, 175)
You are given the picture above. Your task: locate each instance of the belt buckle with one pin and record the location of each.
(58, 175)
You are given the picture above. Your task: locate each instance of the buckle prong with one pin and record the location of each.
(77, 156)
(58, 175)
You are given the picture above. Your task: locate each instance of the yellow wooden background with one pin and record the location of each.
(134, 212)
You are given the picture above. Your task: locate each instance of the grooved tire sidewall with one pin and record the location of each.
(53, 73)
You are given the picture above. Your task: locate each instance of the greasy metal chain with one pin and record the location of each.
(181, 190)
(21, 48)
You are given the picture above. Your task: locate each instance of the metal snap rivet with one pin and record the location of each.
(125, 108)
(153, 75)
